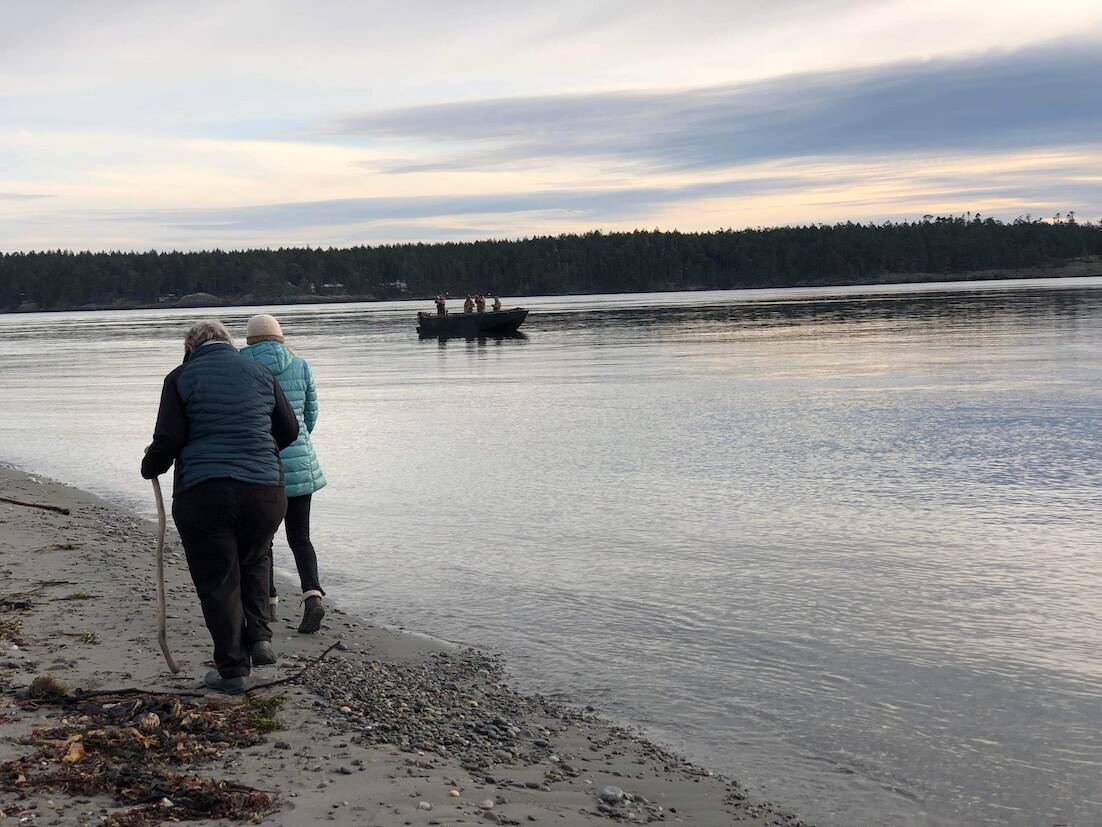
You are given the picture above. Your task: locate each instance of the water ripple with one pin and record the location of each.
(841, 543)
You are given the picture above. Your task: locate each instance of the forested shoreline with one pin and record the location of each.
(594, 262)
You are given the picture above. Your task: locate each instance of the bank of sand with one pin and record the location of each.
(389, 729)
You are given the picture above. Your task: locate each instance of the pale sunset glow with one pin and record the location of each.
(175, 125)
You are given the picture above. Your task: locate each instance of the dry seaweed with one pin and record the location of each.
(83, 636)
(10, 629)
(46, 687)
(140, 751)
(42, 585)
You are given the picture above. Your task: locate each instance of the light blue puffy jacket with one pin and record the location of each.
(301, 470)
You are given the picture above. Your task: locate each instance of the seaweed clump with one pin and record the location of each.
(141, 750)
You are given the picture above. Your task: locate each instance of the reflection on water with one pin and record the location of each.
(842, 545)
(496, 338)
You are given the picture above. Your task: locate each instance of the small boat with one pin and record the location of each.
(471, 325)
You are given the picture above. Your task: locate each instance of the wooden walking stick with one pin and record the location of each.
(162, 632)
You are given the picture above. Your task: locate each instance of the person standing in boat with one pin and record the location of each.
(497, 304)
(302, 473)
(480, 303)
(468, 305)
(441, 309)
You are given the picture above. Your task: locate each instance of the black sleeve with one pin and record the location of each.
(284, 421)
(170, 432)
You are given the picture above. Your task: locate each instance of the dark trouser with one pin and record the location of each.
(227, 527)
(297, 525)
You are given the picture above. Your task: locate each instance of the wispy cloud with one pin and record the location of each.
(593, 204)
(23, 196)
(1029, 98)
(1007, 185)
(254, 123)
(1020, 184)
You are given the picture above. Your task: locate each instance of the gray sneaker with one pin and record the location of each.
(262, 653)
(230, 686)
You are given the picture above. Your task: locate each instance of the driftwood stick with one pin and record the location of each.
(56, 508)
(297, 674)
(106, 693)
(101, 693)
(162, 622)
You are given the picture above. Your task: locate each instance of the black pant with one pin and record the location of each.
(297, 526)
(227, 528)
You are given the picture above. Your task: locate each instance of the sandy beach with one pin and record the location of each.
(388, 729)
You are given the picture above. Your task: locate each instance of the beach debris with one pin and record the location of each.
(60, 547)
(84, 636)
(41, 586)
(75, 751)
(10, 628)
(140, 751)
(262, 711)
(46, 687)
(78, 596)
(43, 506)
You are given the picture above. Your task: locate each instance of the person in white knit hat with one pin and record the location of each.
(302, 473)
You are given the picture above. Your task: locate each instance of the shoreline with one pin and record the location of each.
(1087, 267)
(392, 728)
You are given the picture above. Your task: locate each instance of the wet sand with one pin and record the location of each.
(389, 729)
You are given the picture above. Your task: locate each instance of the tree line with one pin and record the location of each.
(594, 262)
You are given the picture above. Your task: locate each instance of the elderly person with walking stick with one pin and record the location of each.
(223, 420)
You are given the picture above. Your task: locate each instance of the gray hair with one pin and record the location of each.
(206, 330)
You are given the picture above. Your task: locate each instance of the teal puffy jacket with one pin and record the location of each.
(301, 470)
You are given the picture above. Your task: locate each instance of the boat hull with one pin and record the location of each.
(471, 325)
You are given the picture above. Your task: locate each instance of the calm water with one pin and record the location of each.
(847, 547)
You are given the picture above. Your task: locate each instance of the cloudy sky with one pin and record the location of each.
(182, 125)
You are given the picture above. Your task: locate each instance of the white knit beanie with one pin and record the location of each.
(263, 327)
